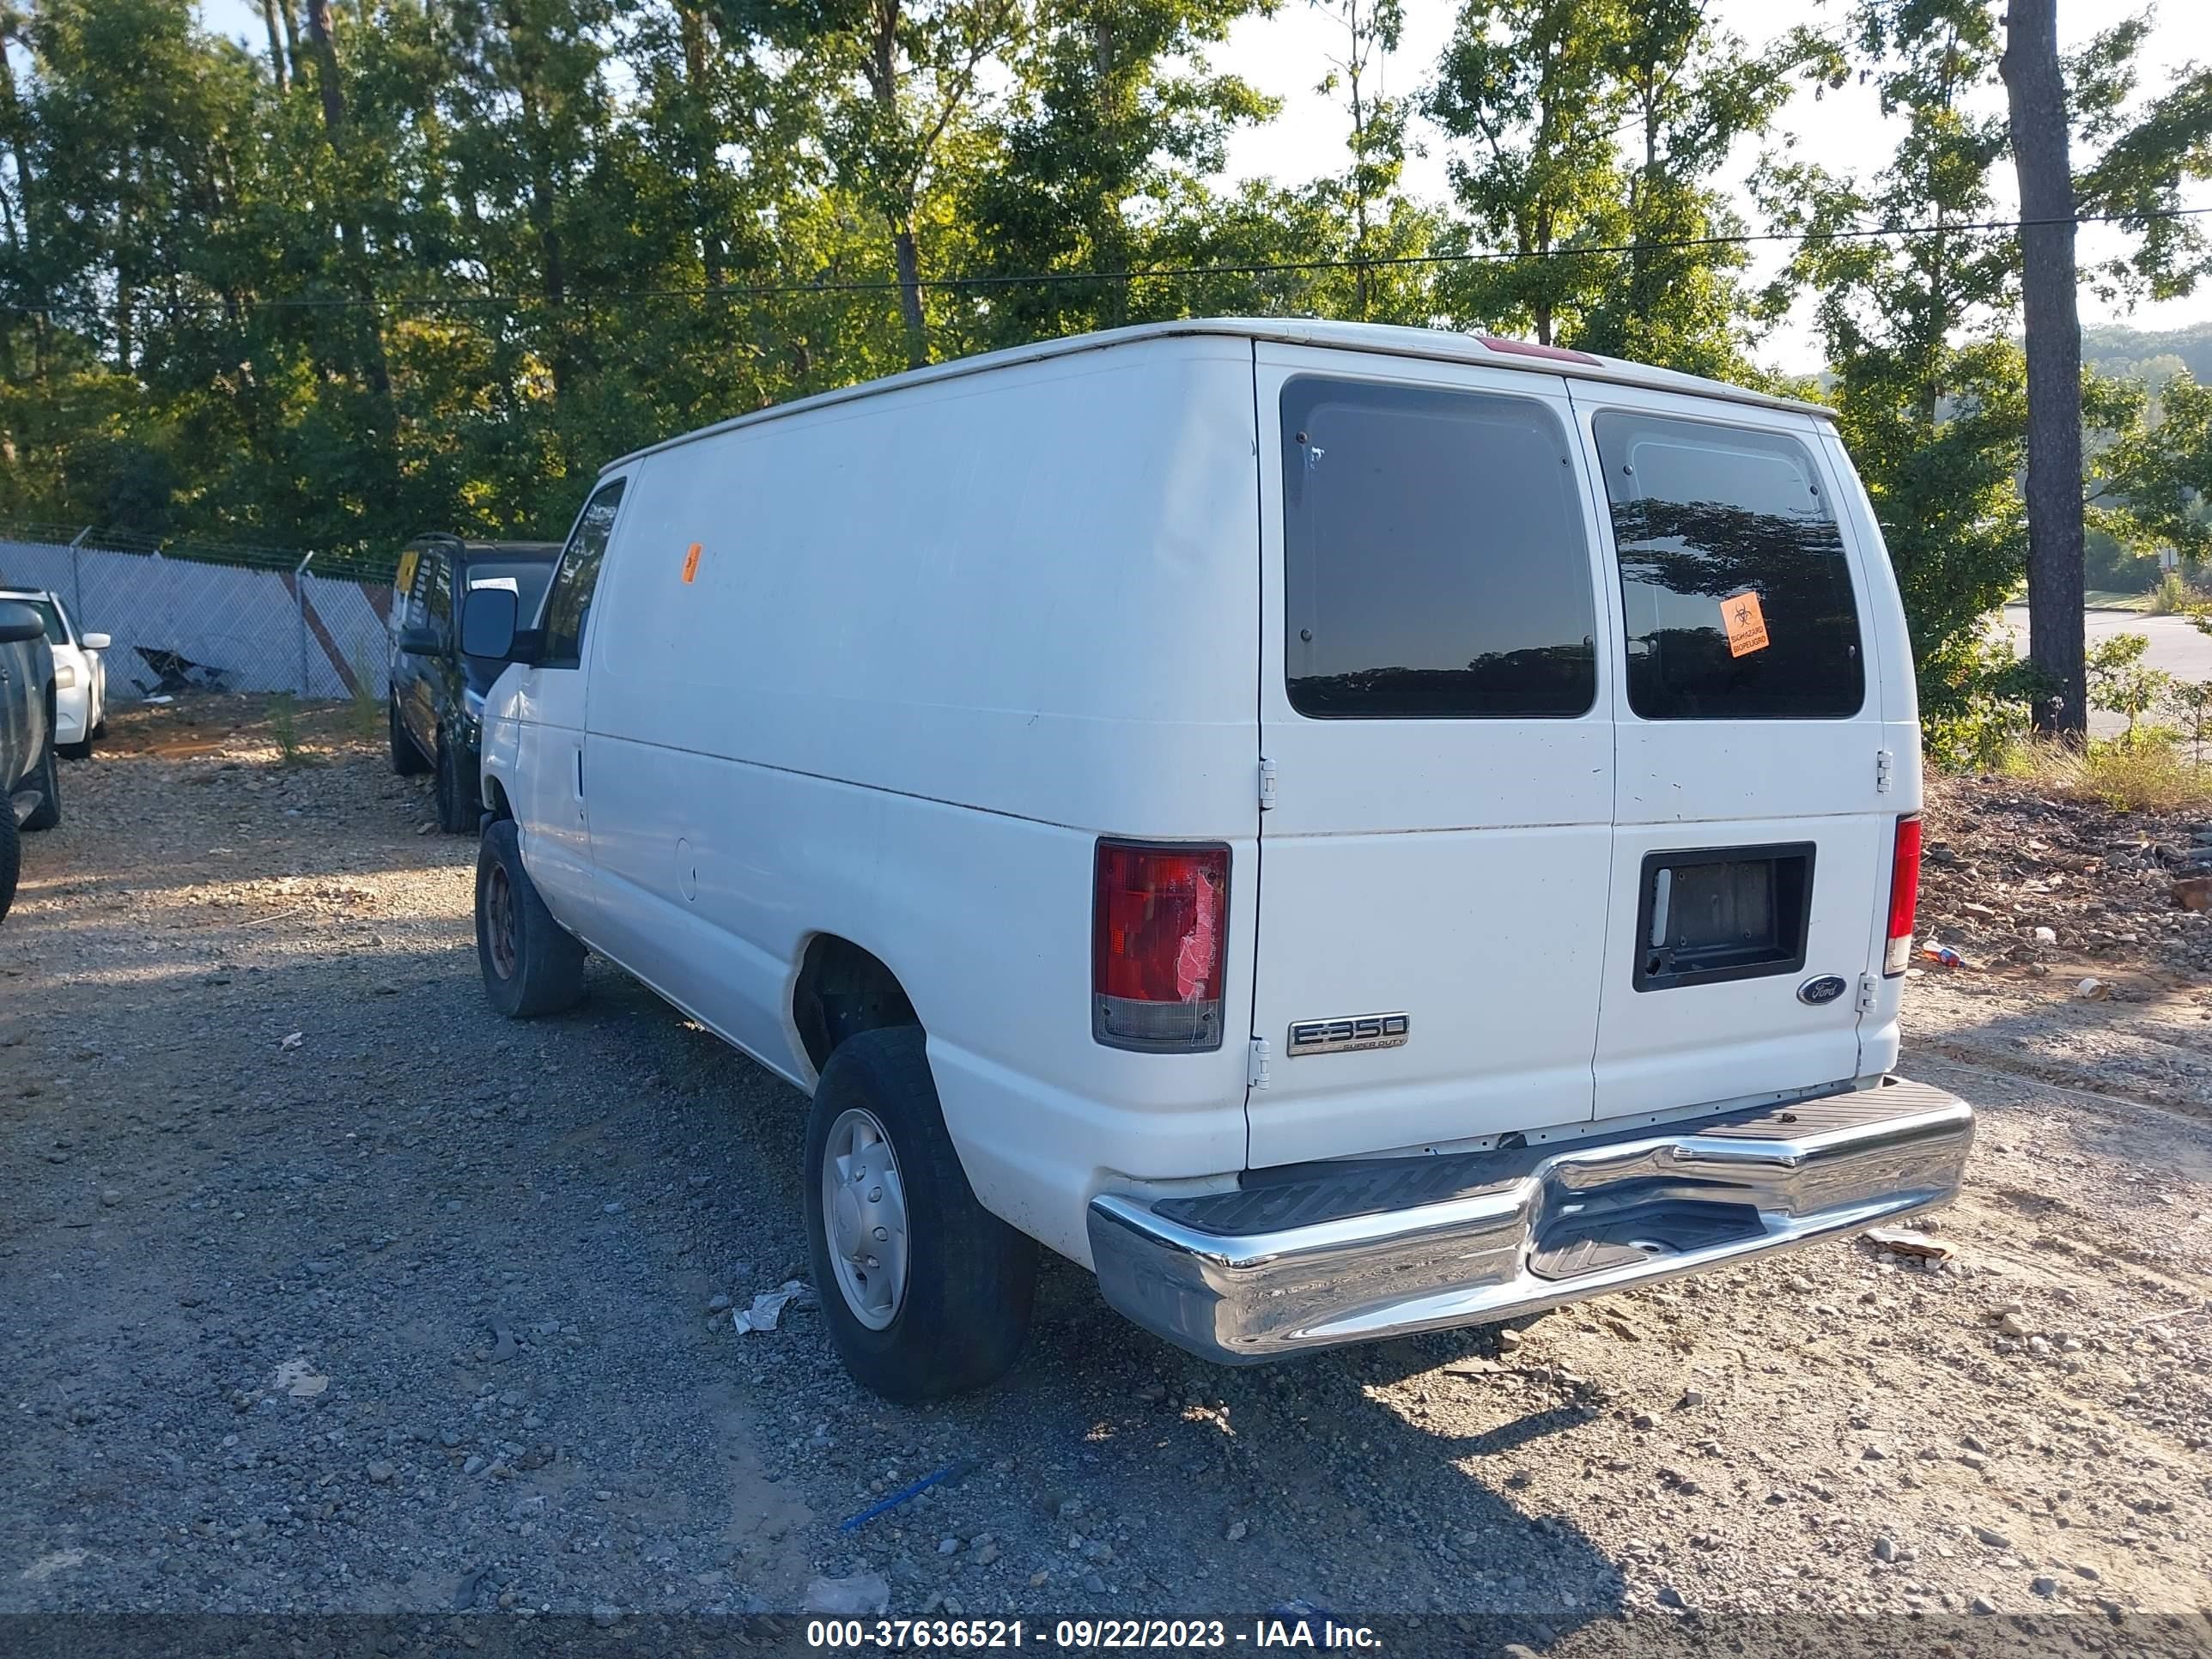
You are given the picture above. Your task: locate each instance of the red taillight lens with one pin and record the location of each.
(1904, 897)
(1159, 922)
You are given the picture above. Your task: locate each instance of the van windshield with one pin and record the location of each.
(1733, 576)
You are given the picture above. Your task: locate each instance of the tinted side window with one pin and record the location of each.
(441, 591)
(1434, 560)
(569, 603)
(1737, 593)
(418, 592)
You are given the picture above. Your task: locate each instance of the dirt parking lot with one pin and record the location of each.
(324, 1289)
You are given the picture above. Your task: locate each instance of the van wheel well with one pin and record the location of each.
(843, 991)
(495, 802)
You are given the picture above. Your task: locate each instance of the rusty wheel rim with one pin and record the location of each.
(499, 921)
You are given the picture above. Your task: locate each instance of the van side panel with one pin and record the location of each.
(933, 645)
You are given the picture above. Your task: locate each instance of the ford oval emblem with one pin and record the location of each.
(1823, 990)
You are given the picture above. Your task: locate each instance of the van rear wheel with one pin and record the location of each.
(927, 1293)
(531, 964)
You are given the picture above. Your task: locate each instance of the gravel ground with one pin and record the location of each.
(323, 1289)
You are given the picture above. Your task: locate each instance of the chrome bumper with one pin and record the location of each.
(1357, 1250)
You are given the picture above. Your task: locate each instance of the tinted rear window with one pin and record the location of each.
(1434, 558)
(1733, 577)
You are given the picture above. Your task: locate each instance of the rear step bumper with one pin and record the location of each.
(1359, 1250)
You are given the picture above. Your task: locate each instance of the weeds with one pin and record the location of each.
(2150, 775)
(284, 727)
(365, 718)
(2172, 597)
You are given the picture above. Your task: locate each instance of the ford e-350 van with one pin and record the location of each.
(1343, 830)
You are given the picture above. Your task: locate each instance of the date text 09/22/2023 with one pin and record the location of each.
(1086, 1634)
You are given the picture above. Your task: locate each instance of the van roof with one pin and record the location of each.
(1391, 339)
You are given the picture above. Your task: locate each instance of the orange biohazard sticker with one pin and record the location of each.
(1746, 623)
(691, 562)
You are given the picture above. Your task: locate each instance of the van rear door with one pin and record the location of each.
(1753, 817)
(1435, 717)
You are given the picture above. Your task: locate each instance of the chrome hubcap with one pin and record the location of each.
(864, 1209)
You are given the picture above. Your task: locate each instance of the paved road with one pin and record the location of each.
(2176, 646)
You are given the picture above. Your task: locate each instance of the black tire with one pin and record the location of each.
(47, 778)
(76, 751)
(970, 1278)
(459, 808)
(12, 857)
(531, 964)
(407, 759)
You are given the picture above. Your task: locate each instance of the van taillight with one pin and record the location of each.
(1159, 922)
(1904, 896)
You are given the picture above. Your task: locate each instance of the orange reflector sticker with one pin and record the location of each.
(1746, 623)
(691, 567)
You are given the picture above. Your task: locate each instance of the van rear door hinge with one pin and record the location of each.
(1884, 771)
(1868, 983)
(1255, 1067)
(1267, 784)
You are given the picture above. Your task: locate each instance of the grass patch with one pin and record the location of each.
(2148, 776)
(365, 714)
(284, 729)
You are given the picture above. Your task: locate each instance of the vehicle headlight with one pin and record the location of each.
(65, 676)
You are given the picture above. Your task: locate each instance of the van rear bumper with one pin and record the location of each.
(1356, 1250)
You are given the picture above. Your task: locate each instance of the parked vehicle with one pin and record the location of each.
(80, 672)
(1343, 830)
(30, 782)
(438, 691)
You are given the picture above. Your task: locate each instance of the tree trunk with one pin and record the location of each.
(908, 253)
(376, 369)
(275, 45)
(292, 40)
(25, 225)
(2036, 93)
(704, 167)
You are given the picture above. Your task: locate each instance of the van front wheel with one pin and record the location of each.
(531, 964)
(925, 1292)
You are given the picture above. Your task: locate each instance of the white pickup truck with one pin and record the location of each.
(1343, 830)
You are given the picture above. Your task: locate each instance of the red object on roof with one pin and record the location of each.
(1530, 349)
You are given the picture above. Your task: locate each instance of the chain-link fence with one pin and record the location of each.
(201, 617)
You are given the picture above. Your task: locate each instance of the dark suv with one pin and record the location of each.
(30, 783)
(437, 693)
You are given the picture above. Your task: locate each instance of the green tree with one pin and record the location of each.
(1116, 123)
(1929, 391)
(1526, 91)
(1692, 92)
(910, 79)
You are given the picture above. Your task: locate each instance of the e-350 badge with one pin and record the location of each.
(1337, 1036)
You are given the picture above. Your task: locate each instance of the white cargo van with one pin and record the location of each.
(1343, 830)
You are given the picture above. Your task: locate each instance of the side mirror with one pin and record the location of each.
(19, 622)
(95, 641)
(488, 620)
(420, 640)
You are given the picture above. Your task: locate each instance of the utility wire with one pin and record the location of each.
(432, 303)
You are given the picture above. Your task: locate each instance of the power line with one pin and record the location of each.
(425, 304)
